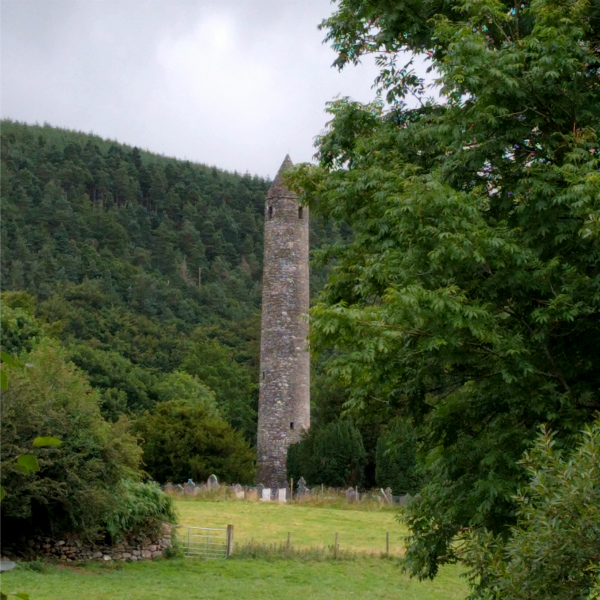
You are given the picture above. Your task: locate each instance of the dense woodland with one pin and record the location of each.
(143, 263)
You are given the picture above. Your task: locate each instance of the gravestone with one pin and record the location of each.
(282, 495)
(168, 488)
(203, 488)
(213, 483)
(179, 489)
(188, 488)
(197, 489)
(388, 495)
(351, 494)
(259, 490)
(266, 495)
(302, 489)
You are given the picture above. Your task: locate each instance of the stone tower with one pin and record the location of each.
(284, 401)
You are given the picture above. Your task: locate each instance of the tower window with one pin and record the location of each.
(263, 375)
(270, 212)
(300, 212)
(292, 425)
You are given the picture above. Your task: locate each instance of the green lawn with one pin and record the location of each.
(366, 576)
(269, 523)
(190, 579)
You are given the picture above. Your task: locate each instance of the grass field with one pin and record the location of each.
(364, 576)
(187, 579)
(269, 523)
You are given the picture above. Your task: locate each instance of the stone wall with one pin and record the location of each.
(71, 549)
(284, 399)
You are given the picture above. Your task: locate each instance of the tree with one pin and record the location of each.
(74, 487)
(467, 296)
(396, 460)
(181, 439)
(552, 551)
(333, 455)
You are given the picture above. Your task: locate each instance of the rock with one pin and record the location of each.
(146, 554)
(106, 558)
(126, 555)
(157, 554)
(97, 555)
(153, 547)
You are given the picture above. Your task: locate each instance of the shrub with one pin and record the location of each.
(182, 440)
(553, 550)
(141, 509)
(332, 455)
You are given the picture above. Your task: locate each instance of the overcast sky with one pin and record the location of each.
(235, 83)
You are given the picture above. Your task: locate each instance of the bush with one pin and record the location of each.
(141, 509)
(553, 551)
(182, 440)
(396, 460)
(74, 488)
(332, 455)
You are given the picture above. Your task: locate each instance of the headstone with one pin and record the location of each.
(282, 495)
(259, 490)
(388, 495)
(203, 488)
(266, 495)
(168, 488)
(302, 489)
(240, 494)
(179, 489)
(351, 494)
(197, 490)
(213, 483)
(188, 488)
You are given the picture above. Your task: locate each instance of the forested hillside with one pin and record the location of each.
(144, 264)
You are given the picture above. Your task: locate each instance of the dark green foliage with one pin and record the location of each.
(141, 509)
(396, 460)
(130, 252)
(468, 295)
(181, 441)
(235, 392)
(552, 552)
(75, 485)
(332, 455)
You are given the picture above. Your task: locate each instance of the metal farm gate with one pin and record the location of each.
(206, 542)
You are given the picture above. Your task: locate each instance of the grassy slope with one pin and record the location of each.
(269, 523)
(242, 578)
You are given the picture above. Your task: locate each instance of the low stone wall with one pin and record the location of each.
(71, 549)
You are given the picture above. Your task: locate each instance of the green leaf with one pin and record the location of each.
(28, 463)
(3, 380)
(8, 359)
(40, 442)
(2, 493)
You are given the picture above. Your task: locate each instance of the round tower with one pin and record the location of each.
(284, 401)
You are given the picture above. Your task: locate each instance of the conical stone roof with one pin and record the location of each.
(278, 189)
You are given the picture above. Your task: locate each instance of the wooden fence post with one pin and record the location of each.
(229, 541)
(387, 543)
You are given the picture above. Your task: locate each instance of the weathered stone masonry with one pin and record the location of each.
(284, 402)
